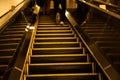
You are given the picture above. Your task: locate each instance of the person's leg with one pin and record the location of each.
(63, 5)
(33, 19)
(44, 6)
(56, 6)
(48, 7)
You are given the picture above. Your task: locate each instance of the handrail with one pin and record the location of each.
(11, 9)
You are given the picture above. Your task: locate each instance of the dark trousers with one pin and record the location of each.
(33, 20)
(46, 6)
(56, 8)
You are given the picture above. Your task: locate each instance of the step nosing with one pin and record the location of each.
(65, 63)
(59, 55)
(56, 43)
(57, 38)
(54, 48)
(6, 56)
(63, 74)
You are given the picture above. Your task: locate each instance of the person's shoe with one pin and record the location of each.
(57, 17)
(61, 22)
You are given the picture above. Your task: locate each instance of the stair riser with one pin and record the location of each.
(8, 33)
(9, 46)
(105, 39)
(2, 70)
(4, 60)
(103, 35)
(67, 51)
(107, 44)
(53, 28)
(8, 36)
(53, 36)
(56, 40)
(8, 52)
(53, 32)
(58, 59)
(9, 41)
(52, 69)
(54, 45)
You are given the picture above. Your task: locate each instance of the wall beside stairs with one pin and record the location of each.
(9, 8)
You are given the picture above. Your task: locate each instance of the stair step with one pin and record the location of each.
(60, 39)
(13, 32)
(16, 28)
(102, 34)
(108, 43)
(1, 77)
(52, 25)
(9, 46)
(56, 50)
(7, 52)
(58, 58)
(111, 49)
(106, 38)
(94, 26)
(16, 40)
(55, 44)
(53, 31)
(69, 76)
(20, 23)
(5, 59)
(2, 69)
(75, 67)
(19, 26)
(54, 35)
(53, 28)
(11, 36)
(99, 31)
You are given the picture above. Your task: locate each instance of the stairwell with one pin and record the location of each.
(57, 54)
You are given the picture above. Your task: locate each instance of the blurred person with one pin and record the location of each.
(46, 9)
(59, 8)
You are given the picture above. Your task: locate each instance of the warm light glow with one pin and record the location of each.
(31, 27)
(84, 1)
(102, 6)
(66, 13)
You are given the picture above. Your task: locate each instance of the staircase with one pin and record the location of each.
(10, 40)
(106, 37)
(57, 54)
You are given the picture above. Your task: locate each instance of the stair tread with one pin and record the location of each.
(59, 55)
